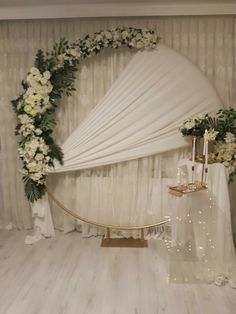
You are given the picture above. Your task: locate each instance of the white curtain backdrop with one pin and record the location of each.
(209, 42)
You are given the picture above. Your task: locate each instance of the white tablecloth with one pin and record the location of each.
(202, 242)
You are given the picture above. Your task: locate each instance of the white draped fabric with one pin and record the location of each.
(141, 113)
(209, 42)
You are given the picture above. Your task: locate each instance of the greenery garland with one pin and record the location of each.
(53, 76)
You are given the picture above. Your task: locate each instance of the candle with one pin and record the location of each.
(206, 153)
(193, 158)
(204, 144)
(194, 150)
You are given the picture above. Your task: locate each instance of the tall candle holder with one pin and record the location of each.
(194, 186)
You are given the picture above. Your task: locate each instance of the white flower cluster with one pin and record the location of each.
(226, 154)
(225, 151)
(27, 126)
(34, 154)
(114, 38)
(191, 123)
(188, 124)
(36, 98)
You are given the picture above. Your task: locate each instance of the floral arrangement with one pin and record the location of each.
(53, 76)
(221, 131)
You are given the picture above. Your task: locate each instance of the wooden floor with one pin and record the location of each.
(72, 275)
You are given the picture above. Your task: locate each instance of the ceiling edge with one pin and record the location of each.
(113, 10)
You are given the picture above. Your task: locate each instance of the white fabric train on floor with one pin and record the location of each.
(139, 116)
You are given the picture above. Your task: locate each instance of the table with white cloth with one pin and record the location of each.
(201, 245)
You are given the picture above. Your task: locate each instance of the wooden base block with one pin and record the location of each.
(123, 242)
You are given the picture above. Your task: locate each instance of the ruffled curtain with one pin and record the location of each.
(207, 41)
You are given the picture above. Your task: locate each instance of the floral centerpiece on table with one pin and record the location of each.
(221, 132)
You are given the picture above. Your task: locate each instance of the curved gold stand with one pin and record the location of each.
(108, 241)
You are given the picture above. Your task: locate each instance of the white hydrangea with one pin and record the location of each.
(226, 154)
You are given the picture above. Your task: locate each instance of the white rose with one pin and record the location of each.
(34, 112)
(38, 131)
(139, 45)
(138, 36)
(27, 109)
(147, 35)
(189, 124)
(24, 119)
(36, 97)
(38, 77)
(43, 81)
(39, 157)
(47, 75)
(124, 34)
(36, 176)
(98, 37)
(88, 43)
(30, 91)
(116, 36)
(34, 71)
(108, 35)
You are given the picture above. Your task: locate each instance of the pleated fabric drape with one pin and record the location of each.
(141, 113)
(209, 42)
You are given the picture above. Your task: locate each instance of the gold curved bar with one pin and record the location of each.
(102, 225)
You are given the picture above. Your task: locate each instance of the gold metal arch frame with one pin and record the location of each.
(107, 241)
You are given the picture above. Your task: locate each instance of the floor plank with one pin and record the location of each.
(71, 275)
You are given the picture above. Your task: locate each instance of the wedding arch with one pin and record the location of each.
(139, 116)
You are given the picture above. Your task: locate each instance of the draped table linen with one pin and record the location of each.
(202, 241)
